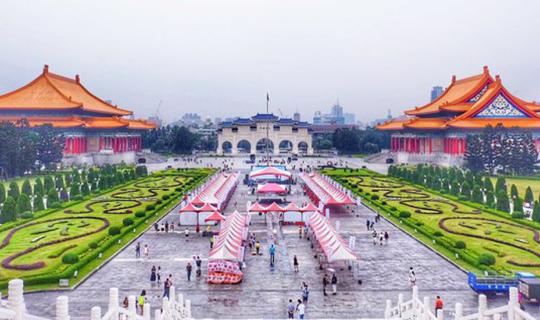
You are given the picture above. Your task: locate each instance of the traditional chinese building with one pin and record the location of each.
(437, 131)
(95, 131)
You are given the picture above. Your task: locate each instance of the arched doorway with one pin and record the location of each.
(243, 146)
(261, 146)
(285, 146)
(302, 147)
(226, 147)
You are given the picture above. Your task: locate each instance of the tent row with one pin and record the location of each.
(217, 191)
(289, 213)
(320, 189)
(331, 242)
(270, 171)
(227, 254)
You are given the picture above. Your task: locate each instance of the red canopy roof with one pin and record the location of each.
(207, 208)
(189, 208)
(215, 216)
(270, 171)
(271, 188)
(257, 207)
(309, 208)
(198, 201)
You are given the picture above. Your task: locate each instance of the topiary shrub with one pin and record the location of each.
(375, 197)
(178, 189)
(486, 259)
(393, 208)
(518, 215)
(150, 207)
(165, 197)
(404, 214)
(127, 222)
(383, 203)
(158, 202)
(55, 205)
(93, 245)
(114, 231)
(77, 198)
(140, 214)
(27, 215)
(460, 245)
(70, 258)
(438, 234)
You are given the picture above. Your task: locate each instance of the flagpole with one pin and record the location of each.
(267, 130)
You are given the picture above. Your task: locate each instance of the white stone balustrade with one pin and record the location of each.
(177, 308)
(416, 309)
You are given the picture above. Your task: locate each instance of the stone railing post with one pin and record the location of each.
(482, 306)
(146, 312)
(400, 304)
(132, 307)
(459, 311)
(188, 308)
(426, 308)
(165, 307)
(157, 314)
(512, 303)
(172, 295)
(388, 308)
(180, 299)
(95, 313)
(440, 314)
(16, 298)
(415, 299)
(113, 302)
(62, 308)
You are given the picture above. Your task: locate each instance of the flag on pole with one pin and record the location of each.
(267, 97)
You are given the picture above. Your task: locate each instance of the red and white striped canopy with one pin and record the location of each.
(228, 245)
(270, 171)
(326, 190)
(332, 243)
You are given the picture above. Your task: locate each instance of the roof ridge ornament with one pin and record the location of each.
(498, 79)
(77, 78)
(486, 69)
(453, 78)
(46, 69)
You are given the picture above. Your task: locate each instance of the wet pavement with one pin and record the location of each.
(265, 291)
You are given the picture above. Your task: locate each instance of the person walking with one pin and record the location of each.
(198, 263)
(272, 253)
(257, 247)
(158, 275)
(305, 292)
(290, 309)
(381, 238)
(166, 226)
(186, 232)
(374, 237)
(153, 275)
(295, 263)
(188, 270)
(141, 299)
(212, 242)
(324, 284)
(138, 250)
(334, 284)
(438, 304)
(167, 287)
(412, 277)
(386, 236)
(146, 251)
(367, 224)
(301, 308)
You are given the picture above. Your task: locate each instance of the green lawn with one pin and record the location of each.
(522, 185)
(445, 220)
(33, 251)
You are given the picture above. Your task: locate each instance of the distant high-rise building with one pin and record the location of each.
(349, 118)
(296, 116)
(436, 92)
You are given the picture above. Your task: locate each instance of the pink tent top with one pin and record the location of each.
(274, 207)
(270, 171)
(309, 208)
(271, 188)
(198, 201)
(207, 208)
(257, 207)
(215, 216)
(292, 207)
(189, 208)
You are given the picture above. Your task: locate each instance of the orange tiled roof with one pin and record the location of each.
(426, 123)
(458, 107)
(50, 91)
(140, 124)
(396, 124)
(105, 123)
(479, 123)
(56, 122)
(458, 92)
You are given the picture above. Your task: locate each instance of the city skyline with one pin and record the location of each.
(221, 59)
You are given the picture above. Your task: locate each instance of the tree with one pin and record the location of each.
(454, 188)
(27, 187)
(347, 141)
(85, 190)
(473, 153)
(59, 181)
(8, 210)
(48, 184)
(514, 191)
(14, 190)
(2, 192)
(529, 197)
(536, 212)
(502, 201)
(518, 205)
(49, 146)
(38, 203)
(52, 197)
(500, 185)
(17, 148)
(490, 198)
(23, 204)
(38, 187)
(466, 190)
(488, 185)
(477, 194)
(73, 190)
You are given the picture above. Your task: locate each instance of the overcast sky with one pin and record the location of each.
(219, 58)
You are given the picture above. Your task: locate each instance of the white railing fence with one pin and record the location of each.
(175, 308)
(416, 309)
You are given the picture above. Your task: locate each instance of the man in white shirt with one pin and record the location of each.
(301, 308)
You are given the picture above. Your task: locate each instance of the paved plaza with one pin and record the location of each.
(265, 291)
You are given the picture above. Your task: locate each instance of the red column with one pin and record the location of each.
(464, 145)
(430, 145)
